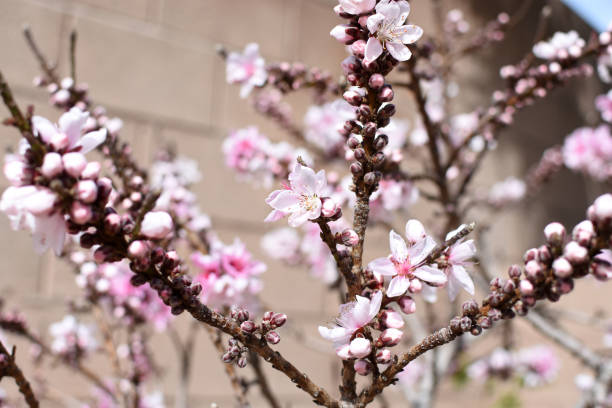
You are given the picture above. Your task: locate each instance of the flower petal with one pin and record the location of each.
(375, 303)
(373, 49)
(398, 246)
(286, 201)
(44, 128)
(398, 286)
(398, 51)
(383, 266)
(409, 33)
(303, 180)
(71, 124)
(91, 140)
(374, 22)
(430, 274)
(464, 279)
(462, 252)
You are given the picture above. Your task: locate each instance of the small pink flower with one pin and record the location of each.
(406, 262)
(357, 6)
(590, 151)
(156, 224)
(561, 45)
(459, 255)
(302, 201)
(353, 316)
(247, 69)
(388, 31)
(70, 126)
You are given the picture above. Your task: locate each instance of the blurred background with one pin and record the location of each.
(153, 64)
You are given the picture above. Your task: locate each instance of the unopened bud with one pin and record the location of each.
(554, 233)
(248, 327)
(407, 304)
(575, 253)
(363, 367)
(350, 237)
(383, 356)
(272, 337)
(391, 337)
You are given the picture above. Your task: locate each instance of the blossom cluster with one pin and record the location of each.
(535, 366)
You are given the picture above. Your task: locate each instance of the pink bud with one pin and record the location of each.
(407, 304)
(562, 268)
(339, 33)
(87, 191)
(248, 327)
(376, 81)
(575, 253)
(363, 367)
(383, 356)
(91, 171)
(61, 97)
(16, 172)
(392, 319)
(344, 352)
(416, 286)
(605, 38)
(80, 213)
(138, 249)
(272, 337)
(112, 223)
(554, 233)
(583, 233)
(59, 141)
(526, 287)
(330, 208)
(386, 94)
(52, 165)
(156, 224)
(602, 209)
(279, 319)
(391, 337)
(74, 163)
(360, 347)
(353, 97)
(350, 237)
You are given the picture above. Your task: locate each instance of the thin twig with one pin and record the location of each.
(9, 368)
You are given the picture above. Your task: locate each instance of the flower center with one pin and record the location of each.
(309, 202)
(403, 268)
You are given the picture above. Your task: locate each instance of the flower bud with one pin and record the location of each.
(470, 308)
(74, 163)
(383, 356)
(112, 224)
(267, 316)
(344, 352)
(407, 304)
(376, 81)
(87, 191)
(350, 237)
(381, 142)
(392, 319)
(602, 210)
(353, 142)
(91, 171)
(330, 208)
(530, 255)
(248, 327)
(156, 224)
(138, 249)
(242, 361)
(562, 268)
(360, 347)
(533, 271)
(583, 233)
(554, 233)
(514, 272)
(80, 213)
(227, 358)
(363, 367)
(386, 95)
(391, 337)
(575, 253)
(526, 287)
(272, 337)
(466, 323)
(416, 286)
(279, 319)
(52, 165)
(389, 109)
(369, 130)
(339, 32)
(356, 168)
(353, 97)
(59, 141)
(358, 48)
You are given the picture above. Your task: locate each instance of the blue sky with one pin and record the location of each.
(598, 13)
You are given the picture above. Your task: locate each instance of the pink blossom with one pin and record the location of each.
(283, 243)
(32, 207)
(67, 136)
(388, 31)
(302, 200)
(357, 6)
(604, 105)
(156, 224)
(459, 255)
(561, 45)
(392, 195)
(508, 191)
(323, 124)
(16, 170)
(539, 365)
(247, 69)
(353, 316)
(406, 262)
(70, 336)
(590, 151)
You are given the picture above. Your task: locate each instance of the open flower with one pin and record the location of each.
(67, 136)
(388, 31)
(32, 207)
(247, 69)
(353, 316)
(459, 255)
(302, 199)
(406, 262)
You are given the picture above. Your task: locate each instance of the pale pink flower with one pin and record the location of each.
(247, 69)
(70, 336)
(508, 191)
(238, 262)
(561, 45)
(323, 124)
(32, 207)
(302, 200)
(16, 170)
(539, 365)
(590, 151)
(353, 316)
(388, 31)
(392, 195)
(156, 224)
(67, 135)
(411, 374)
(406, 262)
(357, 6)
(459, 255)
(604, 105)
(283, 243)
